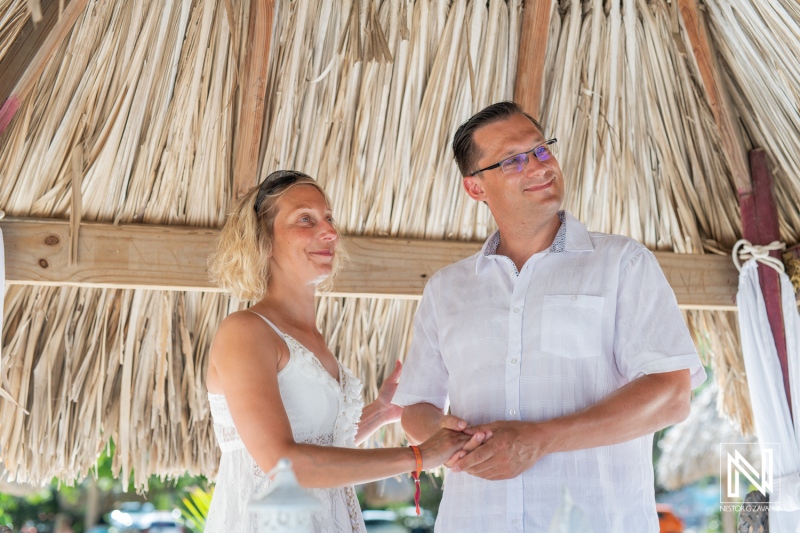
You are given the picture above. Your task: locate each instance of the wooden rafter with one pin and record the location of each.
(254, 91)
(174, 258)
(23, 65)
(532, 49)
(708, 67)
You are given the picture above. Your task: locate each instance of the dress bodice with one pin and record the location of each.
(321, 411)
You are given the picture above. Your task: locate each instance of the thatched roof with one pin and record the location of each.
(137, 109)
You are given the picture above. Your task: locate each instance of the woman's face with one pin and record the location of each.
(304, 240)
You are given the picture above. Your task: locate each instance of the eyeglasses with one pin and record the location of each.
(516, 163)
(277, 180)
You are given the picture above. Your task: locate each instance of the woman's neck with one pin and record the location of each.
(290, 303)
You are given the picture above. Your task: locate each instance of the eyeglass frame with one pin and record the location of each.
(275, 181)
(496, 165)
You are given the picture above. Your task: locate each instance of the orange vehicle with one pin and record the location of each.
(668, 522)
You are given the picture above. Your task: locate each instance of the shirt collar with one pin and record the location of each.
(572, 236)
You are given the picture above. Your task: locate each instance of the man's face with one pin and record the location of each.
(537, 190)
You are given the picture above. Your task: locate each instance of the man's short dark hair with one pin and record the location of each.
(464, 149)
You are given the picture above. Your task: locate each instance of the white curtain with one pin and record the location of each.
(765, 381)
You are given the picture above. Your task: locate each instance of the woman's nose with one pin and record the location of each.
(329, 232)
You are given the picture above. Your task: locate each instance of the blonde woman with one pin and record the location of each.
(275, 388)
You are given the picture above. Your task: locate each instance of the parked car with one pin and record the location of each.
(162, 522)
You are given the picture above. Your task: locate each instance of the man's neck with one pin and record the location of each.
(520, 241)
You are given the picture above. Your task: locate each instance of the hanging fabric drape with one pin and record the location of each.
(770, 407)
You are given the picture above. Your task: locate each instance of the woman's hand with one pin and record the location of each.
(391, 412)
(382, 411)
(444, 446)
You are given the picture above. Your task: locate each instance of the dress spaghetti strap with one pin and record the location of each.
(273, 326)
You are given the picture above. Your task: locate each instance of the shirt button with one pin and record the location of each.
(574, 298)
(512, 412)
(514, 361)
(515, 309)
(515, 522)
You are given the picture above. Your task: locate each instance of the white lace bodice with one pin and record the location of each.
(321, 411)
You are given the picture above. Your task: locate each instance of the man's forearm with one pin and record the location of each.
(420, 421)
(641, 407)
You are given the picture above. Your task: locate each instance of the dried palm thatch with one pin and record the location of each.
(141, 99)
(638, 142)
(758, 44)
(13, 16)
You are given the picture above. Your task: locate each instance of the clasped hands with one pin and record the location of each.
(498, 450)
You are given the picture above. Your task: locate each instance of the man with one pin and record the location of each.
(566, 346)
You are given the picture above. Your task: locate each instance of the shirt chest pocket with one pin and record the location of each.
(572, 325)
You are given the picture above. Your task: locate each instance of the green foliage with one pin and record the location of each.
(41, 505)
(195, 508)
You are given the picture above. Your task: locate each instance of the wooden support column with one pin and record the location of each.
(530, 60)
(253, 86)
(760, 226)
(707, 65)
(24, 64)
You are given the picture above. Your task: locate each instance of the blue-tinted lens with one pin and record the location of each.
(542, 152)
(514, 164)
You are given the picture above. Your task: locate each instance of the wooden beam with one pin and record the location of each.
(708, 66)
(530, 60)
(760, 226)
(36, 50)
(174, 258)
(253, 88)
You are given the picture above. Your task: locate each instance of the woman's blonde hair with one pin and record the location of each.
(241, 262)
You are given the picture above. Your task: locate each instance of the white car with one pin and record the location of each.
(163, 522)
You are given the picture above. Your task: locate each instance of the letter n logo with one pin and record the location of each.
(737, 465)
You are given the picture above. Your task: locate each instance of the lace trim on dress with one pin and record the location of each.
(346, 426)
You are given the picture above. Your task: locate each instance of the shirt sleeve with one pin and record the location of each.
(424, 377)
(651, 336)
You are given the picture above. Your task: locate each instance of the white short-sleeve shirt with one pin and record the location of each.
(580, 320)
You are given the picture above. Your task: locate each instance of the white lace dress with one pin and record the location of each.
(321, 411)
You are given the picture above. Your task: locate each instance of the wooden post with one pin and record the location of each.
(254, 91)
(760, 226)
(530, 60)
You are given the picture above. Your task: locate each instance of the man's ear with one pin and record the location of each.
(474, 188)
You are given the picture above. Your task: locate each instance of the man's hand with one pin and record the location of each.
(513, 448)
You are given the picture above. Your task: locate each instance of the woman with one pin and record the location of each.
(275, 388)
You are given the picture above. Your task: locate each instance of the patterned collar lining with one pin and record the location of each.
(558, 246)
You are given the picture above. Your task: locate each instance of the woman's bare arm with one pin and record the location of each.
(245, 358)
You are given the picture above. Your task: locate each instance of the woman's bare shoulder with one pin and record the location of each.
(245, 334)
